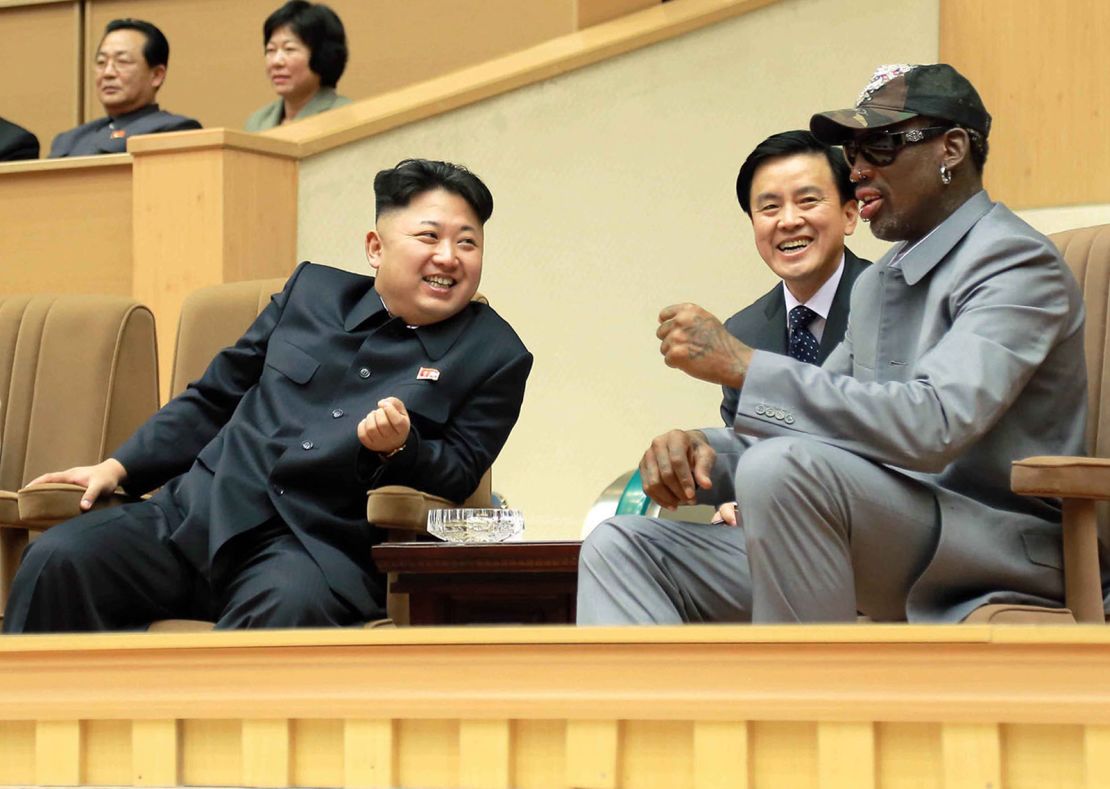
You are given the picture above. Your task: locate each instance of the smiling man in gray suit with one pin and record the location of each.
(880, 482)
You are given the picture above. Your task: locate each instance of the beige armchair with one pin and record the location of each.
(1079, 482)
(79, 374)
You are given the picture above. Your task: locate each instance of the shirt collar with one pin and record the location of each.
(918, 259)
(134, 115)
(437, 338)
(821, 301)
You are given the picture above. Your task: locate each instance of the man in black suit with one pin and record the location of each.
(17, 143)
(265, 461)
(797, 192)
(130, 67)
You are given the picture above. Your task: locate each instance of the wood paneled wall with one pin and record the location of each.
(66, 226)
(696, 707)
(43, 68)
(216, 69)
(181, 211)
(1041, 68)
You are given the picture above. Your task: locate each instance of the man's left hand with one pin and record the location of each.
(386, 428)
(695, 342)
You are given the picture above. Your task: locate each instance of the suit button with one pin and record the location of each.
(760, 410)
(780, 414)
(338, 412)
(364, 372)
(789, 419)
(307, 445)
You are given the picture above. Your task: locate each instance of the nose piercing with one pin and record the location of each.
(859, 174)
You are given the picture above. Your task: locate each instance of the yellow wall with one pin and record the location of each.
(615, 197)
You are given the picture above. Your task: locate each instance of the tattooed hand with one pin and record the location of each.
(674, 464)
(695, 342)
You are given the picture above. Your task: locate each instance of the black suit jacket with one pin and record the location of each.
(16, 142)
(269, 429)
(762, 325)
(110, 135)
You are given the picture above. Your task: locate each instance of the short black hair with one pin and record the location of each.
(790, 143)
(322, 32)
(397, 187)
(156, 50)
(979, 147)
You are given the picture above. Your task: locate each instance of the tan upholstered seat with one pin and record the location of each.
(1079, 482)
(78, 374)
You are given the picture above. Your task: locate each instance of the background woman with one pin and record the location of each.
(306, 52)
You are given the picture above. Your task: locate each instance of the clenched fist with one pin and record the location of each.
(385, 429)
(694, 341)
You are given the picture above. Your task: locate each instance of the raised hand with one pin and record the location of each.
(386, 428)
(694, 341)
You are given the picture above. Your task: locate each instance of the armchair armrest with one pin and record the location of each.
(1062, 477)
(402, 508)
(1078, 481)
(49, 503)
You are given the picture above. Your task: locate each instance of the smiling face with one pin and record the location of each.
(287, 58)
(124, 81)
(428, 257)
(904, 200)
(799, 221)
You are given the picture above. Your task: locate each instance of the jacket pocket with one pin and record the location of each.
(291, 361)
(861, 371)
(1044, 549)
(425, 399)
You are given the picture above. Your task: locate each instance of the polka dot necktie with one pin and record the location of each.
(803, 345)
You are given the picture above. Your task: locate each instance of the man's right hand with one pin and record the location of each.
(99, 479)
(674, 463)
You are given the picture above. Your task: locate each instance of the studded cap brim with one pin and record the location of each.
(836, 127)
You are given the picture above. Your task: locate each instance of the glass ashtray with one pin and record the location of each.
(476, 525)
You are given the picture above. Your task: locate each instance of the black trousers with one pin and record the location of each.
(116, 569)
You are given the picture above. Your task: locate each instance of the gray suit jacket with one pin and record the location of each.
(964, 357)
(762, 324)
(269, 117)
(110, 135)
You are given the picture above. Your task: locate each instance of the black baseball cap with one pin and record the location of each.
(899, 92)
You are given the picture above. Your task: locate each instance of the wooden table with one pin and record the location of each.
(492, 583)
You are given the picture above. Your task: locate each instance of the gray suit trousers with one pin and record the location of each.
(824, 534)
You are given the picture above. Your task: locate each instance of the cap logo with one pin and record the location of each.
(883, 75)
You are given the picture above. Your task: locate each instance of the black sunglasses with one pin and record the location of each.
(881, 148)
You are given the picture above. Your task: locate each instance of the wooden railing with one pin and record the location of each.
(492, 708)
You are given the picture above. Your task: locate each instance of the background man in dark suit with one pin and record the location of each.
(798, 194)
(130, 67)
(800, 199)
(265, 461)
(16, 142)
